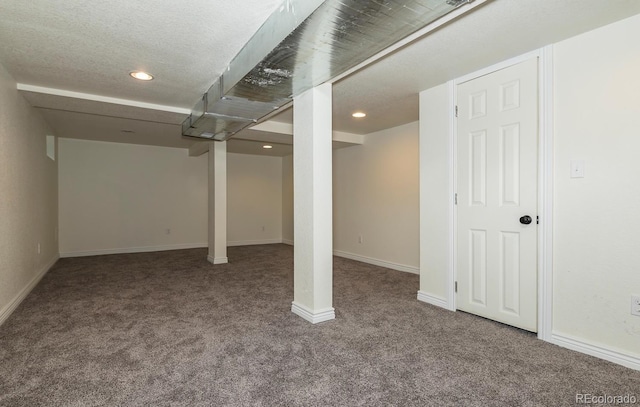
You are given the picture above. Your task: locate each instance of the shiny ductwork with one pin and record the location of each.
(302, 45)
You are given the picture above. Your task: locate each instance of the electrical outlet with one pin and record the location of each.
(263, 228)
(635, 305)
(360, 239)
(39, 251)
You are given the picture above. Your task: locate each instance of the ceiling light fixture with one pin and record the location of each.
(143, 76)
(267, 146)
(359, 115)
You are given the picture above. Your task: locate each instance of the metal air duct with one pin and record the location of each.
(302, 45)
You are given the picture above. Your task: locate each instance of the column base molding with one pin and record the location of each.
(314, 317)
(218, 260)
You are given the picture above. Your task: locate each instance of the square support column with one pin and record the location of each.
(313, 222)
(218, 202)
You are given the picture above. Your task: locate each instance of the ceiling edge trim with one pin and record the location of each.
(98, 98)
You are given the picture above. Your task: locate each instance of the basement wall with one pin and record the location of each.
(124, 198)
(596, 218)
(28, 198)
(596, 256)
(376, 199)
(375, 196)
(435, 195)
(254, 209)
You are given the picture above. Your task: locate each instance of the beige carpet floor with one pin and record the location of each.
(170, 329)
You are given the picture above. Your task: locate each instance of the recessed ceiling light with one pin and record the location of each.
(143, 76)
(267, 146)
(359, 114)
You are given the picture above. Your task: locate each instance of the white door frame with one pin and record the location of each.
(545, 182)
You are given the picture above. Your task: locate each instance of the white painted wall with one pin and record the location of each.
(435, 196)
(118, 198)
(287, 199)
(376, 195)
(595, 241)
(28, 197)
(597, 218)
(254, 189)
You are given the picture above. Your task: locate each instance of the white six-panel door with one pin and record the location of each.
(497, 139)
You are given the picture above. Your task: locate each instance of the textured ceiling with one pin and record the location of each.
(89, 47)
(496, 31)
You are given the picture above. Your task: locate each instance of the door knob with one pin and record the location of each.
(525, 220)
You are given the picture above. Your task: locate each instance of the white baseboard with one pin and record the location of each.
(433, 300)
(218, 260)
(578, 345)
(134, 250)
(311, 316)
(8, 309)
(252, 242)
(377, 262)
(287, 241)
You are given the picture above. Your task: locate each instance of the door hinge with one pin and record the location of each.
(537, 220)
(455, 286)
(455, 199)
(456, 111)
